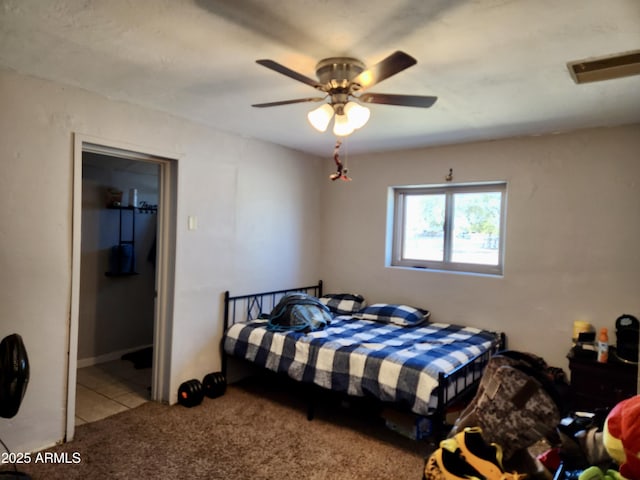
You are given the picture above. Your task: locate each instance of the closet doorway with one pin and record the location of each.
(122, 288)
(117, 288)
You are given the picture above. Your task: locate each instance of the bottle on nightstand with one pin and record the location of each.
(603, 346)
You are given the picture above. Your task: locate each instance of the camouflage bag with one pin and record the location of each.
(519, 401)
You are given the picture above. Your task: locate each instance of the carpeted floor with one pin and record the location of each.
(255, 431)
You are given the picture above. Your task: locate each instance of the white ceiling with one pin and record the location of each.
(498, 67)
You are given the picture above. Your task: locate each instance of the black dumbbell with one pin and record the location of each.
(214, 384)
(190, 393)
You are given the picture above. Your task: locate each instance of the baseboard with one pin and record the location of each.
(108, 357)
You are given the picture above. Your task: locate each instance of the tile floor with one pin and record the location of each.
(108, 388)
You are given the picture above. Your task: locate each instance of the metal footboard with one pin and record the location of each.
(461, 383)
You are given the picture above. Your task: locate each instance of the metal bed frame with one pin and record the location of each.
(250, 306)
(452, 387)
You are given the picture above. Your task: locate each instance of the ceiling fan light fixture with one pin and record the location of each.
(342, 79)
(320, 117)
(357, 114)
(341, 126)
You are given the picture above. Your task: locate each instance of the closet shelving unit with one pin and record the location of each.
(123, 213)
(131, 212)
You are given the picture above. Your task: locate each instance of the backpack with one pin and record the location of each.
(298, 312)
(520, 400)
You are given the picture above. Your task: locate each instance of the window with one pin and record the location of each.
(451, 227)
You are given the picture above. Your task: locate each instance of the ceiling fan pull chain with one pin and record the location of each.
(341, 172)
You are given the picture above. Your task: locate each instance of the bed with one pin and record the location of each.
(423, 368)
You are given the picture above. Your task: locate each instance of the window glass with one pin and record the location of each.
(424, 227)
(476, 228)
(450, 227)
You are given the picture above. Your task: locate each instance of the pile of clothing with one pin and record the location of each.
(520, 401)
(600, 445)
(467, 456)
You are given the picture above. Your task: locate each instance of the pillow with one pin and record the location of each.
(344, 303)
(403, 315)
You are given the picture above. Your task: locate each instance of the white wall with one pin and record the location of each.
(572, 239)
(257, 230)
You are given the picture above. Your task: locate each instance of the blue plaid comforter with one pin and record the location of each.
(361, 357)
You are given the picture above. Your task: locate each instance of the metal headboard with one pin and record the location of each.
(243, 308)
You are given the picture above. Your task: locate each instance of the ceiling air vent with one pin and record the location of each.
(605, 68)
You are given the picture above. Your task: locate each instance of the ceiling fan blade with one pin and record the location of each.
(394, 63)
(402, 100)
(275, 66)
(287, 102)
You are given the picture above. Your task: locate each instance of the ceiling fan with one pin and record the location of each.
(343, 80)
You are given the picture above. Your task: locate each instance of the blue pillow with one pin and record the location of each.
(402, 315)
(343, 303)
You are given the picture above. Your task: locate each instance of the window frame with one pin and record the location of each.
(398, 195)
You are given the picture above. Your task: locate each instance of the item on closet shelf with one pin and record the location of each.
(133, 197)
(114, 197)
(190, 393)
(603, 346)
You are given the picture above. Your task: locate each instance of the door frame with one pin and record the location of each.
(165, 262)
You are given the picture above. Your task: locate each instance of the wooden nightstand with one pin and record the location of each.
(597, 385)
